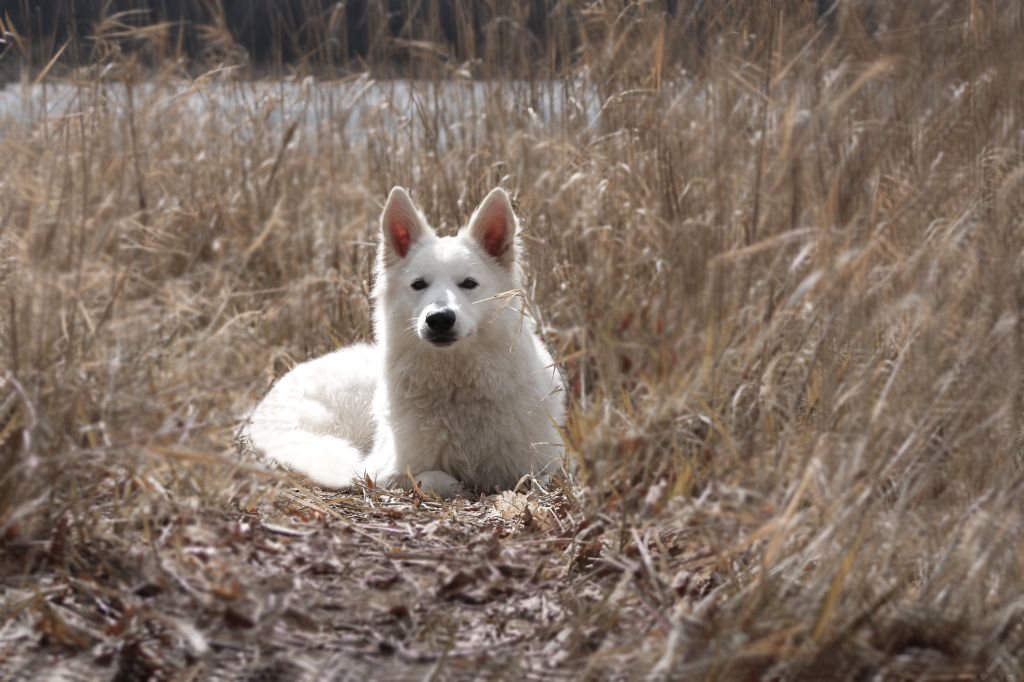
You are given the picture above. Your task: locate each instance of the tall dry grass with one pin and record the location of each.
(782, 268)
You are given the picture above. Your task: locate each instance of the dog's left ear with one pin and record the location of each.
(493, 227)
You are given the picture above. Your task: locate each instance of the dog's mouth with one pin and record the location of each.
(442, 340)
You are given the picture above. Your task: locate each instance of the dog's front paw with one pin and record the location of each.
(441, 484)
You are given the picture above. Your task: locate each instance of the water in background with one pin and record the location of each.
(454, 111)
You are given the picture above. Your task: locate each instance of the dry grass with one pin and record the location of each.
(786, 284)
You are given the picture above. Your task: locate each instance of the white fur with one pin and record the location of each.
(480, 412)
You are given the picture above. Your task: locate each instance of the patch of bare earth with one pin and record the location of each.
(378, 583)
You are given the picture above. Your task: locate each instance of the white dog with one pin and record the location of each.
(458, 391)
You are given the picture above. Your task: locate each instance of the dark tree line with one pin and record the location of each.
(275, 32)
(409, 36)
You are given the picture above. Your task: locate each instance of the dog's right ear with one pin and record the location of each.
(401, 226)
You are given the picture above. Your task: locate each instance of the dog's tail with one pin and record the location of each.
(318, 420)
(329, 461)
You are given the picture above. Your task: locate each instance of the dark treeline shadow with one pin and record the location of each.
(401, 36)
(407, 38)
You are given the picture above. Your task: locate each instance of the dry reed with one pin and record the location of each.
(782, 266)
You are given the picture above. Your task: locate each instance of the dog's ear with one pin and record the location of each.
(401, 226)
(493, 227)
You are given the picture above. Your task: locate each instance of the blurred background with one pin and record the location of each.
(414, 38)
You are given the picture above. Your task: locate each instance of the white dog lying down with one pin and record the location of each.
(458, 390)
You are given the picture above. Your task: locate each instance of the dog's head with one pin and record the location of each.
(445, 289)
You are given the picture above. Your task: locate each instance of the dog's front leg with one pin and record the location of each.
(441, 484)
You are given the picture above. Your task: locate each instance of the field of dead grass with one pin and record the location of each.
(783, 272)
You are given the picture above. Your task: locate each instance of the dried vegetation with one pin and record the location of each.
(781, 264)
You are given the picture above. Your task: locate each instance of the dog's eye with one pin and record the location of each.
(468, 283)
(419, 283)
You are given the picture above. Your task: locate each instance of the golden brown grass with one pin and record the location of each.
(783, 270)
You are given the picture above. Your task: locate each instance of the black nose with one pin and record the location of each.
(442, 321)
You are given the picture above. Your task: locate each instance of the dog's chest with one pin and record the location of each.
(476, 418)
(455, 429)
(479, 441)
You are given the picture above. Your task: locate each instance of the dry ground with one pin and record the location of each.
(782, 269)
